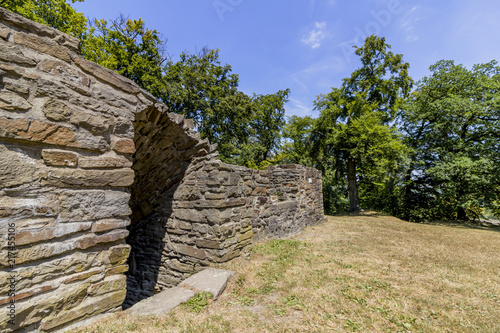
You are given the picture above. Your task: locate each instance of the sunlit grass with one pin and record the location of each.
(362, 273)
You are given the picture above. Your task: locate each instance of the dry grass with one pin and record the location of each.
(363, 273)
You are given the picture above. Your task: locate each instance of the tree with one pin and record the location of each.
(246, 129)
(57, 14)
(268, 121)
(297, 132)
(202, 89)
(130, 49)
(353, 129)
(451, 122)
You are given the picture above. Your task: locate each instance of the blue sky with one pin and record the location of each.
(305, 45)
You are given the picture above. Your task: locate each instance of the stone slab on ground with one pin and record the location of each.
(162, 302)
(210, 280)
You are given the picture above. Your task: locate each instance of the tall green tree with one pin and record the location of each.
(353, 129)
(452, 122)
(58, 14)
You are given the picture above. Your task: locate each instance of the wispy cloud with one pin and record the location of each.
(314, 37)
(408, 23)
(295, 107)
(312, 80)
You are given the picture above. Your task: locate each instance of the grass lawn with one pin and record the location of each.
(361, 273)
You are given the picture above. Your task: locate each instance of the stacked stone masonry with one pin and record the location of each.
(108, 197)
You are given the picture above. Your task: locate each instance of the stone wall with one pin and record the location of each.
(211, 214)
(105, 196)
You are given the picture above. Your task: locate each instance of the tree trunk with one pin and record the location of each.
(352, 186)
(407, 200)
(461, 214)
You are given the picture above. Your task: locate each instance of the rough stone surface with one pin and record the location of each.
(210, 280)
(162, 302)
(59, 157)
(109, 197)
(57, 111)
(13, 102)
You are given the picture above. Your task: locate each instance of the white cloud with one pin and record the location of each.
(296, 107)
(314, 37)
(409, 22)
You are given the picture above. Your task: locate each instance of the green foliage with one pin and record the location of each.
(352, 136)
(268, 121)
(55, 13)
(130, 49)
(246, 129)
(198, 302)
(451, 122)
(297, 148)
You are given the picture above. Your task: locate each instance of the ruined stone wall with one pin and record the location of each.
(105, 196)
(212, 214)
(66, 145)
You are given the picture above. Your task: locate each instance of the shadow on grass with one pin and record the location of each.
(478, 225)
(490, 225)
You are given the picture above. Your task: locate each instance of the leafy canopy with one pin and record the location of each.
(452, 122)
(55, 13)
(352, 134)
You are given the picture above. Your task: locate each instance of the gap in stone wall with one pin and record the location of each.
(163, 150)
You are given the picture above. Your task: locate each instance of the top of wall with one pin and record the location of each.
(54, 43)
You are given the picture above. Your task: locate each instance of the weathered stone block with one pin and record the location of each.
(93, 305)
(42, 45)
(13, 102)
(16, 168)
(109, 224)
(94, 123)
(117, 270)
(118, 255)
(83, 276)
(4, 32)
(188, 215)
(42, 251)
(59, 157)
(34, 309)
(91, 205)
(70, 76)
(56, 111)
(110, 284)
(210, 244)
(38, 131)
(124, 146)
(60, 230)
(105, 161)
(107, 76)
(176, 265)
(190, 251)
(187, 193)
(88, 178)
(11, 53)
